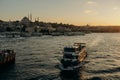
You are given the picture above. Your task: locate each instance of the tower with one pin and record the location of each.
(38, 19)
(30, 17)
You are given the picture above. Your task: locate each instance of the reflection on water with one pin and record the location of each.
(38, 57)
(70, 76)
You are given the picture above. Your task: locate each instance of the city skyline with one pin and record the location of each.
(79, 12)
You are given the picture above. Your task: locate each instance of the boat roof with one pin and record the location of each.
(75, 46)
(71, 47)
(79, 43)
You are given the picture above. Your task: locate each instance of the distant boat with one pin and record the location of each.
(74, 33)
(73, 57)
(7, 57)
(56, 33)
(9, 35)
(36, 34)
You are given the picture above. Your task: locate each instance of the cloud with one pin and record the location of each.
(90, 7)
(115, 8)
(88, 11)
(91, 12)
(91, 3)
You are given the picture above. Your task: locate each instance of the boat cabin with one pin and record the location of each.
(71, 49)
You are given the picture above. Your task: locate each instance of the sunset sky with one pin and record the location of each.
(77, 12)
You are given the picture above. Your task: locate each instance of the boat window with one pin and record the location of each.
(68, 56)
(69, 49)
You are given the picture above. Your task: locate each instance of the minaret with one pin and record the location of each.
(38, 19)
(9, 23)
(30, 17)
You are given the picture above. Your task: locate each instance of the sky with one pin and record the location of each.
(77, 12)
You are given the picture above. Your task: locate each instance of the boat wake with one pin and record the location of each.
(96, 41)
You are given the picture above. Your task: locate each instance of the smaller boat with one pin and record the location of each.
(73, 57)
(7, 57)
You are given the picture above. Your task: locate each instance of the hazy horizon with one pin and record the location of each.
(79, 12)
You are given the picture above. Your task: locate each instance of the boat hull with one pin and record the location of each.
(71, 68)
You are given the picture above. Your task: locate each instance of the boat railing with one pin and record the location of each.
(67, 52)
(67, 59)
(80, 45)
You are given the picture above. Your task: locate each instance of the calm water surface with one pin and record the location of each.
(38, 57)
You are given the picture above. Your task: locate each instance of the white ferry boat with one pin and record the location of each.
(73, 57)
